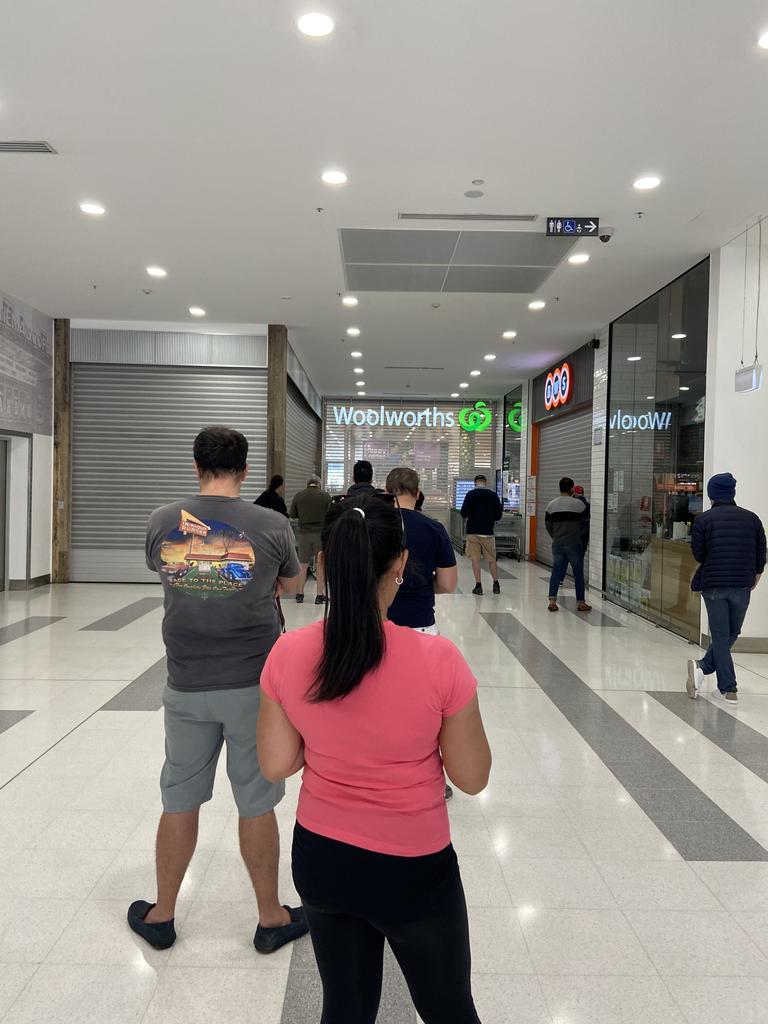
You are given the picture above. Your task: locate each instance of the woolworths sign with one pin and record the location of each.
(478, 417)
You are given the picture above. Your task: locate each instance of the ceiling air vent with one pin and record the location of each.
(414, 367)
(518, 218)
(26, 147)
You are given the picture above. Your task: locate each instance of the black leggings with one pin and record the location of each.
(355, 900)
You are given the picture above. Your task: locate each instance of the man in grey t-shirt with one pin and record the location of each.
(221, 561)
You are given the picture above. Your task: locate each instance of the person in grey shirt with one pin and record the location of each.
(222, 562)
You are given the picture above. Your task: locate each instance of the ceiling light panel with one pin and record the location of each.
(315, 24)
(334, 177)
(647, 182)
(93, 209)
(155, 271)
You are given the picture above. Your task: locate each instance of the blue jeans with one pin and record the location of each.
(726, 609)
(563, 554)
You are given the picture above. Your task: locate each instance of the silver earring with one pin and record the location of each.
(399, 580)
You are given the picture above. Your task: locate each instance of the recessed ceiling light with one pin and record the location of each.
(349, 300)
(356, 355)
(579, 257)
(684, 388)
(763, 41)
(197, 311)
(315, 24)
(361, 383)
(463, 384)
(537, 304)
(489, 358)
(647, 182)
(361, 394)
(509, 335)
(92, 209)
(358, 370)
(353, 332)
(334, 177)
(634, 359)
(650, 398)
(679, 337)
(474, 373)
(474, 193)
(157, 271)
(454, 394)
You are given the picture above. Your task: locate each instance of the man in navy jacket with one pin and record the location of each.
(730, 544)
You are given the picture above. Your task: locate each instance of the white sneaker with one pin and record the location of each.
(730, 699)
(695, 679)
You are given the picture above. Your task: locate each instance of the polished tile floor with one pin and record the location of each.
(616, 868)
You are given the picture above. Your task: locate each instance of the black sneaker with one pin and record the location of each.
(269, 940)
(478, 591)
(319, 599)
(159, 936)
(448, 792)
(299, 599)
(496, 587)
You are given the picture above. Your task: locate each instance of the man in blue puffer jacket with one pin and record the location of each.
(730, 544)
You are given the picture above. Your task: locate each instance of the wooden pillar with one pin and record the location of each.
(277, 397)
(62, 452)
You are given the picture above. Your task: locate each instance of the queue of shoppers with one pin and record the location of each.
(375, 713)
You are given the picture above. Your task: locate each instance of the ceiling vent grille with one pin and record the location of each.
(517, 218)
(26, 147)
(425, 368)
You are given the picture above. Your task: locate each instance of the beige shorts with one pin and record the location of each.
(481, 547)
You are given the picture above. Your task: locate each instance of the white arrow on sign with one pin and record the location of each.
(591, 226)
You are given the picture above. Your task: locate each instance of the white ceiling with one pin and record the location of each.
(204, 128)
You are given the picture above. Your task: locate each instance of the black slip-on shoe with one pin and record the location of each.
(319, 599)
(160, 936)
(299, 599)
(478, 591)
(269, 940)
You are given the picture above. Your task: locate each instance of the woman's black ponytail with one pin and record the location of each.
(360, 542)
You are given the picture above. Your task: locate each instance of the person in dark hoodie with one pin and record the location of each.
(274, 496)
(729, 542)
(362, 474)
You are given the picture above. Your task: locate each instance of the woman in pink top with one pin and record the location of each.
(375, 713)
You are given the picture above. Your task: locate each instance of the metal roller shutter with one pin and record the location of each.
(565, 449)
(132, 433)
(302, 443)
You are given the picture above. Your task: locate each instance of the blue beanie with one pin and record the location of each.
(722, 487)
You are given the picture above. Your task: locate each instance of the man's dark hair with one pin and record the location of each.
(566, 485)
(362, 473)
(275, 482)
(220, 450)
(481, 477)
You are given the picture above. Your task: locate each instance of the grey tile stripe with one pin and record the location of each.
(26, 626)
(748, 746)
(9, 718)
(695, 825)
(304, 995)
(145, 693)
(125, 616)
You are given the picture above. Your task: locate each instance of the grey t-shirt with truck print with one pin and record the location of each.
(219, 560)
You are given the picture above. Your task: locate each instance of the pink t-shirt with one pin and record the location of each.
(374, 774)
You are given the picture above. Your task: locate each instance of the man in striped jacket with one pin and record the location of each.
(565, 519)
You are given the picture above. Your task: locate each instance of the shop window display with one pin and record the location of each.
(655, 465)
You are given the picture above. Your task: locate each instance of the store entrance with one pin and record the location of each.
(565, 449)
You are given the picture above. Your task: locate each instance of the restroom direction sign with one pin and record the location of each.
(573, 226)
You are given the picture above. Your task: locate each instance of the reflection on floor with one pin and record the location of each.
(616, 867)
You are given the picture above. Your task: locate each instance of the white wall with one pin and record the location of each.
(736, 423)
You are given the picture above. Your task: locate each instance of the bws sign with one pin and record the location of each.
(558, 387)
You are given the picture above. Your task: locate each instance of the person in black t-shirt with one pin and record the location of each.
(273, 497)
(431, 565)
(482, 510)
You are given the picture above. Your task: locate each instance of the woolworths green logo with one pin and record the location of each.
(478, 418)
